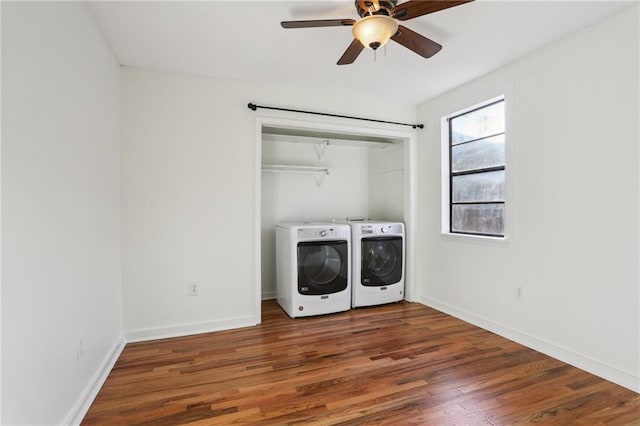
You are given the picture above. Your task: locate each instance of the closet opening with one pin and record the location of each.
(323, 172)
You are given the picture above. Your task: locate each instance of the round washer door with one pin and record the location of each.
(322, 267)
(381, 261)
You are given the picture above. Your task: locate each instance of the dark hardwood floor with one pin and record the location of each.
(394, 364)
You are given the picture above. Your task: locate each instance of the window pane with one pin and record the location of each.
(488, 186)
(478, 218)
(477, 124)
(478, 155)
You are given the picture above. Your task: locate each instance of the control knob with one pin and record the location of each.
(383, 230)
(323, 233)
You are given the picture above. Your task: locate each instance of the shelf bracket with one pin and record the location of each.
(321, 148)
(319, 178)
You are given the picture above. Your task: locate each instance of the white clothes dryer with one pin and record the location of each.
(313, 268)
(378, 262)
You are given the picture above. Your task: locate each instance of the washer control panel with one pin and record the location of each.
(381, 228)
(323, 232)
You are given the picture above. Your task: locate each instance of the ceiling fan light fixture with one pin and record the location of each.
(375, 31)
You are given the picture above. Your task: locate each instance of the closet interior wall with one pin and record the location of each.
(323, 181)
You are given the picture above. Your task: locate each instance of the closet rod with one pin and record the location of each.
(253, 107)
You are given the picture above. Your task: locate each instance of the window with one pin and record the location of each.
(476, 140)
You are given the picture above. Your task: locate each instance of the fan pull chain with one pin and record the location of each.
(375, 54)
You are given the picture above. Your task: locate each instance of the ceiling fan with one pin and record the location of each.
(379, 23)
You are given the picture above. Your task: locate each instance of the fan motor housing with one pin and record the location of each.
(375, 7)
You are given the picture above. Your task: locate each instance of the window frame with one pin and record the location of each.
(504, 95)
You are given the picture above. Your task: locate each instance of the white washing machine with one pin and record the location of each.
(378, 262)
(313, 268)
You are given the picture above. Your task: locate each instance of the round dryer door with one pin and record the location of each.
(381, 261)
(322, 267)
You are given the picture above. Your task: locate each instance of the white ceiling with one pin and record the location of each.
(243, 40)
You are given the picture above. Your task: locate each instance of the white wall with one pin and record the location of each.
(190, 194)
(60, 212)
(575, 246)
(387, 183)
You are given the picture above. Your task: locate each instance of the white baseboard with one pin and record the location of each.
(80, 408)
(180, 330)
(607, 372)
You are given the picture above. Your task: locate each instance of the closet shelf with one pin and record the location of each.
(320, 137)
(294, 169)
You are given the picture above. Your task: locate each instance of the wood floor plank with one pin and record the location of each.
(396, 364)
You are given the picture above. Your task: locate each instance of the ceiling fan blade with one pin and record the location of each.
(416, 42)
(352, 52)
(318, 23)
(415, 8)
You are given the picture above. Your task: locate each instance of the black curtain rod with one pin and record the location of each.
(254, 107)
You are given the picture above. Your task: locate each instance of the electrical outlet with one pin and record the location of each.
(194, 289)
(519, 293)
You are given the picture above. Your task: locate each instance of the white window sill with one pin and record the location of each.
(475, 239)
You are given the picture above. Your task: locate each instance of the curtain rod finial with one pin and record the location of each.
(252, 107)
